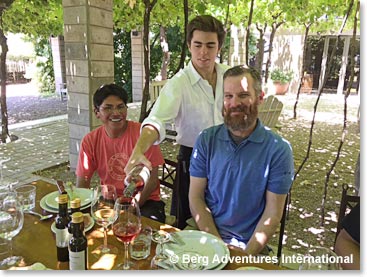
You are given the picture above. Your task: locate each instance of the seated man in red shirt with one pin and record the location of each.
(107, 149)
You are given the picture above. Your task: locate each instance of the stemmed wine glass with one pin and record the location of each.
(127, 226)
(1, 170)
(102, 210)
(160, 257)
(11, 222)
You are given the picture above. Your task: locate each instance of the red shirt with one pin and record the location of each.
(108, 156)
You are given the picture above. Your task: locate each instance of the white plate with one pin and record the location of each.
(207, 249)
(249, 268)
(83, 193)
(44, 206)
(86, 228)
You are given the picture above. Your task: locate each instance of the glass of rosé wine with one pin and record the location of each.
(127, 226)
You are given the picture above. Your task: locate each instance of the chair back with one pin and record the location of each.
(167, 177)
(347, 202)
(282, 229)
(270, 110)
(168, 174)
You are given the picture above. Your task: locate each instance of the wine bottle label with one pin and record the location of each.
(62, 237)
(77, 260)
(136, 180)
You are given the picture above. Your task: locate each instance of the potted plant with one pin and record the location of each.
(281, 80)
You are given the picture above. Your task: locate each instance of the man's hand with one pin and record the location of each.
(147, 137)
(137, 158)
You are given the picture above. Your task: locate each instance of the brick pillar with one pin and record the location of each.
(88, 32)
(137, 63)
(58, 57)
(237, 47)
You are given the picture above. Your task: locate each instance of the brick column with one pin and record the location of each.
(58, 57)
(237, 47)
(88, 33)
(137, 63)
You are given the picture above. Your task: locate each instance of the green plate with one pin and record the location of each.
(82, 193)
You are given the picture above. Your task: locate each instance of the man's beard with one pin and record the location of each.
(242, 122)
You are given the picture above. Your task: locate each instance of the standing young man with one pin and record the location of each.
(193, 99)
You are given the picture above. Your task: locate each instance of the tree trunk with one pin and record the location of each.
(260, 45)
(165, 50)
(184, 44)
(224, 49)
(274, 28)
(321, 88)
(148, 6)
(350, 83)
(303, 69)
(5, 4)
(4, 110)
(248, 32)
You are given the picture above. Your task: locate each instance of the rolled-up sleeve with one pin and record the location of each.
(164, 110)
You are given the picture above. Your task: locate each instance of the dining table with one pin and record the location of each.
(36, 242)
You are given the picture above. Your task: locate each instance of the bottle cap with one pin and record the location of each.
(77, 217)
(75, 203)
(63, 198)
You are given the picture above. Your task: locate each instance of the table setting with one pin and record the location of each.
(49, 201)
(193, 250)
(196, 250)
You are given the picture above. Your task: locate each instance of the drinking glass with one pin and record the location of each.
(1, 171)
(11, 222)
(160, 257)
(320, 258)
(127, 226)
(102, 210)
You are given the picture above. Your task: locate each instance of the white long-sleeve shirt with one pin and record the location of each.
(188, 100)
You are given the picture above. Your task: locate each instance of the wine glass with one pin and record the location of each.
(127, 226)
(160, 257)
(1, 170)
(11, 222)
(102, 210)
(320, 258)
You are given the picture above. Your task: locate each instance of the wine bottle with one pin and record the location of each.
(78, 244)
(62, 234)
(75, 207)
(136, 180)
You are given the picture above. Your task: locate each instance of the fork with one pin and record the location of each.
(42, 217)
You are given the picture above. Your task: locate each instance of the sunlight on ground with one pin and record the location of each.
(28, 89)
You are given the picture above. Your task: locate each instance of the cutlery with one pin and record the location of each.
(42, 217)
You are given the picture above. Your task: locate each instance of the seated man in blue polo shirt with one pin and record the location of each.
(240, 171)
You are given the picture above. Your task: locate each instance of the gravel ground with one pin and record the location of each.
(24, 103)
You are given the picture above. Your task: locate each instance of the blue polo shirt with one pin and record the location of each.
(239, 176)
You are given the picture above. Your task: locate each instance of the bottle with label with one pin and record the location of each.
(75, 207)
(78, 244)
(62, 234)
(136, 180)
